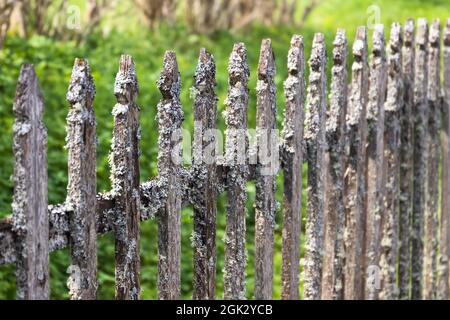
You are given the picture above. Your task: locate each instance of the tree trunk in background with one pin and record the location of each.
(6, 9)
(287, 12)
(152, 10)
(266, 9)
(206, 16)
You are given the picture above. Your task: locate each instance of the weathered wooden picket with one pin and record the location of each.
(378, 161)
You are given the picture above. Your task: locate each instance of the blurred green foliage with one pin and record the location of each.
(53, 61)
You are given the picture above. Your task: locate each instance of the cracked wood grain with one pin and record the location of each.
(420, 157)
(124, 161)
(333, 263)
(406, 163)
(30, 220)
(393, 104)
(375, 159)
(236, 148)
(315, 153)
(82, 186)
(294, 92)
(266, 172)
(432, 194)
(170, 116)
(354, 184)
(204, 191)
(444, 240)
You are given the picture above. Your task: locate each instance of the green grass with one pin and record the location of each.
(53, 62)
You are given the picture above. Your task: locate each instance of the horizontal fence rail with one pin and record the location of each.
(376, 148)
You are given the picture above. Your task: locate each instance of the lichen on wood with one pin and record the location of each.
(266, 171)
(393, 104)
(236, 152)
(420, 111)
(204, 189)
(406, 163)
(292, 160)
(151, 193)
(124, 161)
(354, 177)
(375, 159)
(444, 240)
(30, 220)
(333, 263)
(315, 154)
(170, 117)
(432, 194)
(81, 190)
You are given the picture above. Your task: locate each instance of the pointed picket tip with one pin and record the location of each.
(29, 100)
(238, 69)
(205, 73)
(378, 40)
(396, 38)
(126, 85)
(409, 33)
(360, 44)
(296, 55)
(81, 86)
(266, 65)
(340, 47)
(169, 83)
(434, 36)
(422, 32)
(318, 52)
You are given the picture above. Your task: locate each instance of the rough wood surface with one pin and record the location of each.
(426, 108)
(204, 191)
(432, 194)
(124, 161)
(406, 163)
(444, 240)
(315, 153)
(393, 105)
(333, 260)
(292, 160)
(30, 220)
(236, 146)
(151, 193)
(374, 164)
(354, 184)
(170, 118)
(266, 172)
(420, 157)
(82, 186)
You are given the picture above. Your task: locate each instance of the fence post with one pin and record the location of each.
(315, 149)
(375, 157)
(170, 117)
(266, 172)
(124, 159)
(236, 150)
(394, 100)
(432, 194)
(292, 158)
(420, 157)
(406, 163)
(333, 263)
(356, 131)
(82, 189)
(30, 218)
(204, 178)
(443, 285)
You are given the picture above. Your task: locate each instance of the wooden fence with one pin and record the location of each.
(378, 164)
